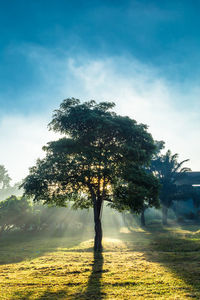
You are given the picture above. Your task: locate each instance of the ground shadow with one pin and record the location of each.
(18, 247)
(93, 289)
(94, 286)
(47, 295)
(61, 294)
(179, 253)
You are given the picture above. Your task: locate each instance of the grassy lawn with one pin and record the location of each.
(158, 263)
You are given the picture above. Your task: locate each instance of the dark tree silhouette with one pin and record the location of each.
(4, 178)
(101, 158)
(159, 145)
(168, 170)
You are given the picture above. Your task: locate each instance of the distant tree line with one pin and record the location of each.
(21, 214)
(6, 189)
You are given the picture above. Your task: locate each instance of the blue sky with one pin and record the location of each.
(144, 55)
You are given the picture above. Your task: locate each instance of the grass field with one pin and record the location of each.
(158, 263)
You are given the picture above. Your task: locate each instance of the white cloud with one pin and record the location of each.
(137, 89)
(22, 139)
(141, 94)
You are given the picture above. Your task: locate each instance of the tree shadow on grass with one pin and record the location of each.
(94, 287)
(18, 295)
(179, 253)
(91, 290)
(47, 295)
(15, 248)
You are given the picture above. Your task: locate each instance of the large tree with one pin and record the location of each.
(100, 158)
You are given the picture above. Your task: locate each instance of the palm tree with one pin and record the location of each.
(4, 178)
(168, 170)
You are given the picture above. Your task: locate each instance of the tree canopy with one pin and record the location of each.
(102, 157)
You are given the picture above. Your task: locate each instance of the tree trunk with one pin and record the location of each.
(2, 229)
(143, 219)
(164, 214)
(97, 226)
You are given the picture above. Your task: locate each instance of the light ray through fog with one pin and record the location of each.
(79, 224)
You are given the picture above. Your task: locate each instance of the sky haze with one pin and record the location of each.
(143, 55)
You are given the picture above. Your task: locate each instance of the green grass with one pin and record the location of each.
(158, 263)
